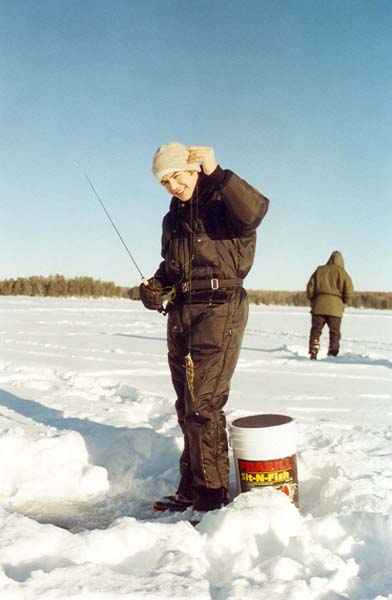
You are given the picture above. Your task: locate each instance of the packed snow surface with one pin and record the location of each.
(88, 438)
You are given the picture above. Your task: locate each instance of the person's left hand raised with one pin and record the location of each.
(203, 155)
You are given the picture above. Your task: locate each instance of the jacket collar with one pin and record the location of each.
(203, 190)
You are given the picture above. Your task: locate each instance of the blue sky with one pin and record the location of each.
(295, 97)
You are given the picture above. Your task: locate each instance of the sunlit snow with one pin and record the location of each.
(88, 438)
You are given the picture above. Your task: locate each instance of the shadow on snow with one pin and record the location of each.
(138, 462)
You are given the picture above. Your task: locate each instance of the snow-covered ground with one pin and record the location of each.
(88, 437)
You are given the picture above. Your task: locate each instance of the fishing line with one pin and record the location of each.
(112, 222)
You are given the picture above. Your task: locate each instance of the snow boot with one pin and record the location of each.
(207, 499)
(174, 503)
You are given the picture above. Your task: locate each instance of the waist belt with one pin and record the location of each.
(206, 285)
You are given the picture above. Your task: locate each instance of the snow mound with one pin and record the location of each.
(50, 468)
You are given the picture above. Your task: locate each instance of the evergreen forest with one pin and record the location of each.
(59, 286)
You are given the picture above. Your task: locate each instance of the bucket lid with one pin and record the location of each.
(258, 421)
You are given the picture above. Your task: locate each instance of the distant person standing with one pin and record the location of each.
(329, 289)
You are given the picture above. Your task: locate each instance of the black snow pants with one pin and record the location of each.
(215, 333)
(318, 322)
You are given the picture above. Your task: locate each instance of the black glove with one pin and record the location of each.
(152, 294)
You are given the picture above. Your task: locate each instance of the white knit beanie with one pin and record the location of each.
(171, 157)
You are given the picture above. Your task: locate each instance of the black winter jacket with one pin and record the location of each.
(214, 234)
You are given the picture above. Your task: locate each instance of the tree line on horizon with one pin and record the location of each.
(60, 286)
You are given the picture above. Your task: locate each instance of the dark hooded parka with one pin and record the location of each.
(330, 287)
(208, 247)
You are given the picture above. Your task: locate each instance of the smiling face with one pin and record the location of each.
(180, 184)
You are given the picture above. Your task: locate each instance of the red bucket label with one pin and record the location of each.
(281, 473)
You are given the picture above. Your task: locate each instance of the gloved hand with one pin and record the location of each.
(152, 294)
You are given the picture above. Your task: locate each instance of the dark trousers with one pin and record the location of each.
(318, 322)
(215, 333)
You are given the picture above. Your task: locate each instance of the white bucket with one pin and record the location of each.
(264, 449)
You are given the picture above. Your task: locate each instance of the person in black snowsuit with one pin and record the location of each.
(208, 246)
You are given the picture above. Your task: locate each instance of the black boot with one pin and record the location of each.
(207, 499)
(333, 352)
(175, 503)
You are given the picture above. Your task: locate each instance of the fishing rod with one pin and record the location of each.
(114, 225)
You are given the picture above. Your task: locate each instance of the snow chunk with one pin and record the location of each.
(258, 525)
(47, 468)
